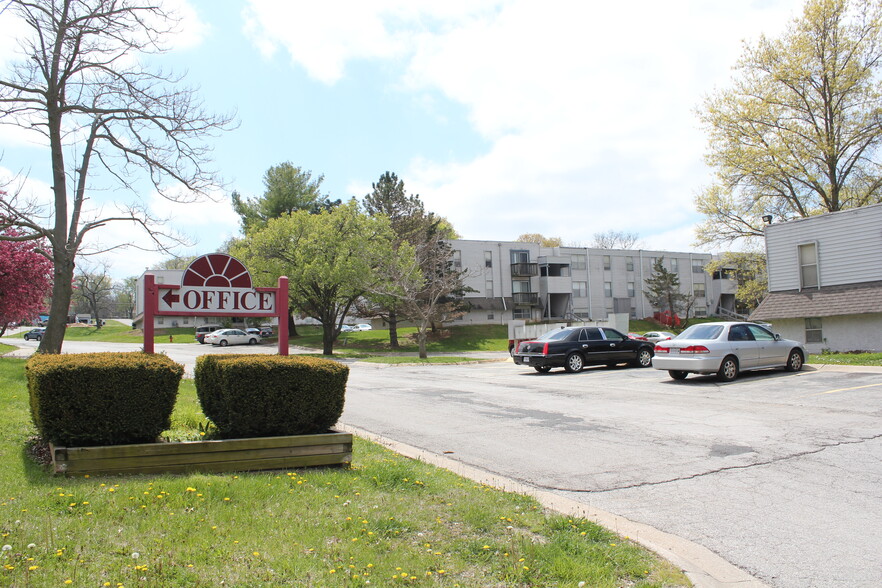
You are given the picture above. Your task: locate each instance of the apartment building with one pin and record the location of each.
(825, 280)
(513, 280)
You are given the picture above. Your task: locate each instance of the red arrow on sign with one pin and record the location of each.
(170, 297)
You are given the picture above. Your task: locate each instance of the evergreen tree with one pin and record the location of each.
(663, 289)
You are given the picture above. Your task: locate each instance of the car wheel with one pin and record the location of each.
(644, 358)
(542, 369)
(728, 369)
(222, 343)
(38, 338)
(202, 342)
(252, 341)
(794, 361)
(574, 363)
(677, 374)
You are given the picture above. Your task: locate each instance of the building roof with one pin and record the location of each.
(846, 299)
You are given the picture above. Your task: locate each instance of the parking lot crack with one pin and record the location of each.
(720, 470)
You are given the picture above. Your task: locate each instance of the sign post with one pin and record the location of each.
(215, 285)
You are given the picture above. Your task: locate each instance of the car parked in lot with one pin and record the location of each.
(656, 336)
(35, 334)
(224, 337)
(362, 327)
(726, 349)
(253, 331)
(266, 332)
(572, 348)
(203, 330)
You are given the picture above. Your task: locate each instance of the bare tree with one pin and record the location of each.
(616, 240)
(81, 86)
(94, 288)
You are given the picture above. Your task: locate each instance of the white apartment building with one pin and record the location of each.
(513, 280)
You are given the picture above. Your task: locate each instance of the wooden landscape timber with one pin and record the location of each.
(333, 448)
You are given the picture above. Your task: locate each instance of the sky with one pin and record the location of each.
(506, 117)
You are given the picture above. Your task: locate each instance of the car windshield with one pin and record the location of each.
(701, 332)
(556, 335)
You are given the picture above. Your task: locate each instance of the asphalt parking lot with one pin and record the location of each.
(778, 473)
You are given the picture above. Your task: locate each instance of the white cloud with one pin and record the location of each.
(588, 108)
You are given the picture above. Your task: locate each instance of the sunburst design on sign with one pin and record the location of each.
(217, 270)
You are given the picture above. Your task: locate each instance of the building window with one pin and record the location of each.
(457, 259)
(629, 264)
(697, 266)
(580, 289)
(675, 265)
(633, 312)
(518, 286)
(607, 289)
(698, 290)
(808, 265)
(578, 262)
(488, 288)
(653, 261)
(813, 332)
(520, 256)
(489, 316)
(186, 320)
(700, 311)
(631, 289)
(520, 313)
(488, 259)
(607, 262)
(160, 320)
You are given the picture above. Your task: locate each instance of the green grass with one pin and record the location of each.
(389, 521)
(847, 358)
(117, 332)
(4, 348)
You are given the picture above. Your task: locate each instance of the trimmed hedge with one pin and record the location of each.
(267, 396)
(102, 398)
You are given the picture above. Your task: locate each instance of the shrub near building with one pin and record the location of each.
(266, 396)
(102, 398)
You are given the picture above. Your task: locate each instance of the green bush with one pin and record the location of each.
(266, 395)
(102, 398)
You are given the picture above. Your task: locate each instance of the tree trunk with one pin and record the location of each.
(292, 327)
(393, 329)
(3, 329)
(421, 339)
(62, 290)
(328, 338)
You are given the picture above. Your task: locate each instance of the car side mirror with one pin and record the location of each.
(777, 337)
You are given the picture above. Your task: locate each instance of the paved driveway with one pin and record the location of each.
(781, 474)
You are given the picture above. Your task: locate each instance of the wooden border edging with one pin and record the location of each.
(228, 455)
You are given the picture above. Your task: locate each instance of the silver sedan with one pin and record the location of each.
(224, 337)
(726, 349)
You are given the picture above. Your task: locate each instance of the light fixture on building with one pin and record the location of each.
(767, 218)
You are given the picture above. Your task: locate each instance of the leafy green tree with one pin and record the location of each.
(412, 225)
(329, 257)
(748, 269)
(287, 189)
(83, 90)
(797, 132)
(176, 263)
(125, 296)
(540, 239)
(663, 289)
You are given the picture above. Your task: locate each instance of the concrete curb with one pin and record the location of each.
(702, 566)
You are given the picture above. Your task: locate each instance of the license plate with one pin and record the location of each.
(526, 360)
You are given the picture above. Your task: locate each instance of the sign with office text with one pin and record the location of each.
(216, 284)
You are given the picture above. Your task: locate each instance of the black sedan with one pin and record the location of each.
(572, 348)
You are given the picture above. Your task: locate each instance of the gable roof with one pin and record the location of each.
(846, 299)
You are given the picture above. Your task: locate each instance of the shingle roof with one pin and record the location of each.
(863, 298)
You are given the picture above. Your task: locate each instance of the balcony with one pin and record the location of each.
(525, 298)
(522, 270)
